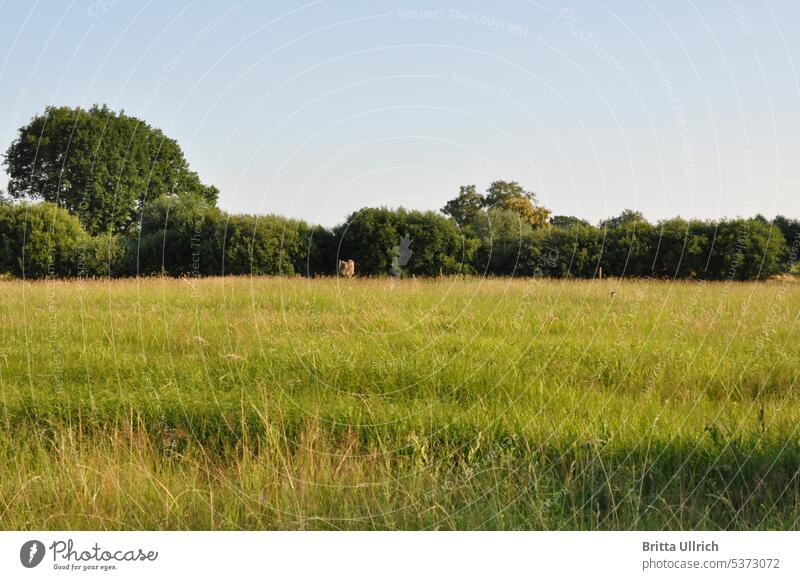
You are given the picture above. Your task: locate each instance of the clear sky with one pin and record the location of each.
(317, 109)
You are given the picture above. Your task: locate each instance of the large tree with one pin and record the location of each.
(100, 165)
(509, 195)
(512, 196)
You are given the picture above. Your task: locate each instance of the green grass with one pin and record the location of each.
(269, 403)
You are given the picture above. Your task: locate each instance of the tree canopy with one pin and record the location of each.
(508, 195)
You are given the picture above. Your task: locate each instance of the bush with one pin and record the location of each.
(101, 256)
(262, 245)
(369, 237)
(185, 236)
(317, 255)
(436, 245)
(400, 242)
(746, 250)
(504, 243)
(629, 246)
(682, 249)
(39, 241)
(178, 235)
(564, 252)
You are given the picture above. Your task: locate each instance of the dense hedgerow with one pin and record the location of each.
(188, 236)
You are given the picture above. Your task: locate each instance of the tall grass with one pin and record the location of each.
(275, 403)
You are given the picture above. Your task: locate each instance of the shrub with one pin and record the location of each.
(746, 250)
(101, 256)
(262, 245)
(369, 237)
(178, 235)
(40, 240)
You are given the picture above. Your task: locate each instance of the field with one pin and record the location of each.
(277, 403)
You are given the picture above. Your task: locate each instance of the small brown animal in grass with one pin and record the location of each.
(347, 268)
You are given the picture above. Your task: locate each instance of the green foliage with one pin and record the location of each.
(128, 185)
(262, 245)
(511, 195)
(179, 236)
(790, 229)
(317, 252)
(437, 244)
(504, 239)
(683, 248)
(557, 252)
(746, 250)
(373, 238)
(102, 256)
(369, 237)
(567, 221)
(469, 205)
(40, 241)
(628, 248)
(100, 165)
(497, 241)
(628, 216)
(131, 188)
(186, 236)
(464, 208)
(627, 245)
(501, 191)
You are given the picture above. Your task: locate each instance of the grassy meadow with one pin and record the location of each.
(289, 403)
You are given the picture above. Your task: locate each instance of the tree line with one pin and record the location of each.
(97, 193)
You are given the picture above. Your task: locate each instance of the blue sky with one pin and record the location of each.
(317, 109)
